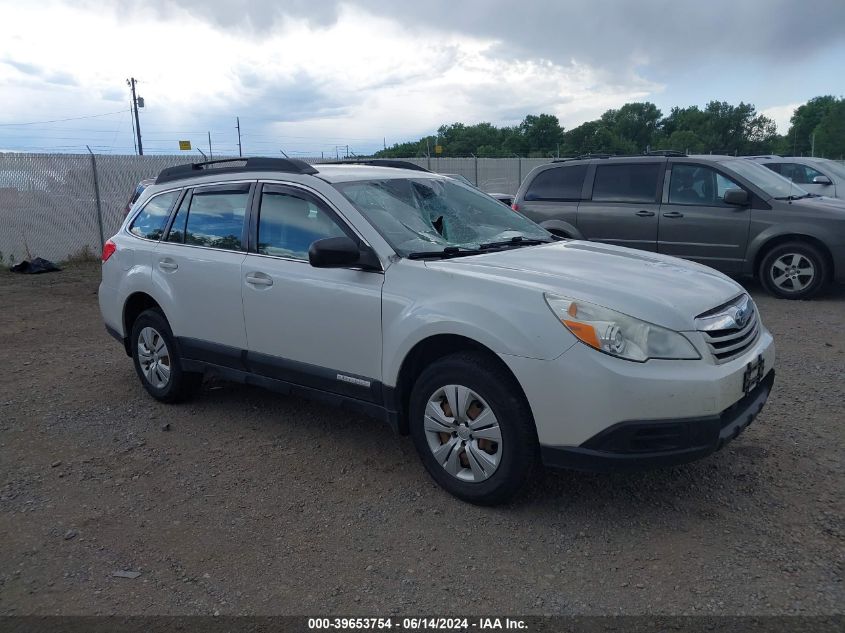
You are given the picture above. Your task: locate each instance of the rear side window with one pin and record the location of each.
(152, 219)
(560, 183)
(213, 218)
(626, 183)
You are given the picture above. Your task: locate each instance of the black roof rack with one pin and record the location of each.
(289, 165)
(379, 162)
(664, 152)
(586, 156)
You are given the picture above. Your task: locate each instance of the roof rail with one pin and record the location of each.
(289, 165)
(379, 162)
(664, 152)
(586, 156)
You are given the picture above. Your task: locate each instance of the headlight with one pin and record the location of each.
(618, 334)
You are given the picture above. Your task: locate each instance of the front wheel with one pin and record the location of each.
(795, 270)
(473, 429)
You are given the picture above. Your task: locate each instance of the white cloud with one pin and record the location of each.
(306, 85)
(781, 115)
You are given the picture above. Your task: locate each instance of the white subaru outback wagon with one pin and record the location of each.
(407, 295)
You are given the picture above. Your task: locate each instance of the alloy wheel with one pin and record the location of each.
(792, 272)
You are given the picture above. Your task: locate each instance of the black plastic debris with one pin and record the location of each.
(34, 267)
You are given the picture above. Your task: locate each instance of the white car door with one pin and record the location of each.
(196, 270)
(316, 327)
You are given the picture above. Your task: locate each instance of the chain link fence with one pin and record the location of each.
(62, 206)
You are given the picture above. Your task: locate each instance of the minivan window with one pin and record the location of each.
(698, 185)
(215, 218)
(559, 183)
(631, 182)
(767, 180)
(289, 224)
(152, 219)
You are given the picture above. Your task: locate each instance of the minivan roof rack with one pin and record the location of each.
(664, 152)
(288, 165)
(378, 162)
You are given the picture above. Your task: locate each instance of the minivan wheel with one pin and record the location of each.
(156, 359)
(795, 270)
(473, 429)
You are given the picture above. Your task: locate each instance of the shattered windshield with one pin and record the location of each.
(429, 214)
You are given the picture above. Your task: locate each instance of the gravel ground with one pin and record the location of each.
(254, 503)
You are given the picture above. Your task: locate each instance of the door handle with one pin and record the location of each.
(259, 279)
(167, 264)
(644, 214)
(673, 214)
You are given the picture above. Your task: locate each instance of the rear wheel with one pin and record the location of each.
(156, 359)
(795, 270)
(473, 429)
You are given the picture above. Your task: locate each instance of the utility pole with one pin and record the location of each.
(238, 119)
(209, 146)
(813, 147)
(131, 83)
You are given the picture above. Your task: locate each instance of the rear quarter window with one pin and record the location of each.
(560, 183)
(152, 219)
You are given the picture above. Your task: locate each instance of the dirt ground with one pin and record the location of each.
(254, 503)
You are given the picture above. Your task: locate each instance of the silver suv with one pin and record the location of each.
(729, 213)
(424, 302)
(822, 176)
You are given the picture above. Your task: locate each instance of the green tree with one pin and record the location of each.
(543, 134)
(804, 121)
(830, 132)
(635, 124)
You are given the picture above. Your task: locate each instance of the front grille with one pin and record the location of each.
(727, 342)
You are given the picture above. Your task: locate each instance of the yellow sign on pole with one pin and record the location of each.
(438, 149)
(184, 145)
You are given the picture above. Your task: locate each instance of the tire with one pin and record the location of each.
(505, 466)
(155, 355)
(781, 271)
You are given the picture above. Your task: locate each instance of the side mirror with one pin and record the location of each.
(737, 197)
(341, 252)
(822, 180)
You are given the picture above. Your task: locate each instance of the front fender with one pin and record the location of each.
(799, 230)
(507, 318)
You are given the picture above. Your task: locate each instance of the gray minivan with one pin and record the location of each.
(729, 213)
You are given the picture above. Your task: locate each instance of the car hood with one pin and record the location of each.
(663, 290)
(833, 206)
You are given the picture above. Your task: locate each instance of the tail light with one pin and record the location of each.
(108, 250)
(515, 206)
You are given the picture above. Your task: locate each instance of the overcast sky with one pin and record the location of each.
(307, 76)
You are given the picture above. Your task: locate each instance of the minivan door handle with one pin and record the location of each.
(259, 279)
(167, 264)
(645, 214)
(673, 214)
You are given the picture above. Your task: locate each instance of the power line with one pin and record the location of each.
(76, 118)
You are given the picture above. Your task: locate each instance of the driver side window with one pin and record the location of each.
(698, 185)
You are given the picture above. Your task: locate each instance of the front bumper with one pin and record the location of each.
(639, 444)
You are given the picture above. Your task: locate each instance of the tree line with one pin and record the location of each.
(817, 126)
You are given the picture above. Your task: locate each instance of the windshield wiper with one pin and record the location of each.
(449, 251)
(514, 242)
(794, 197)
